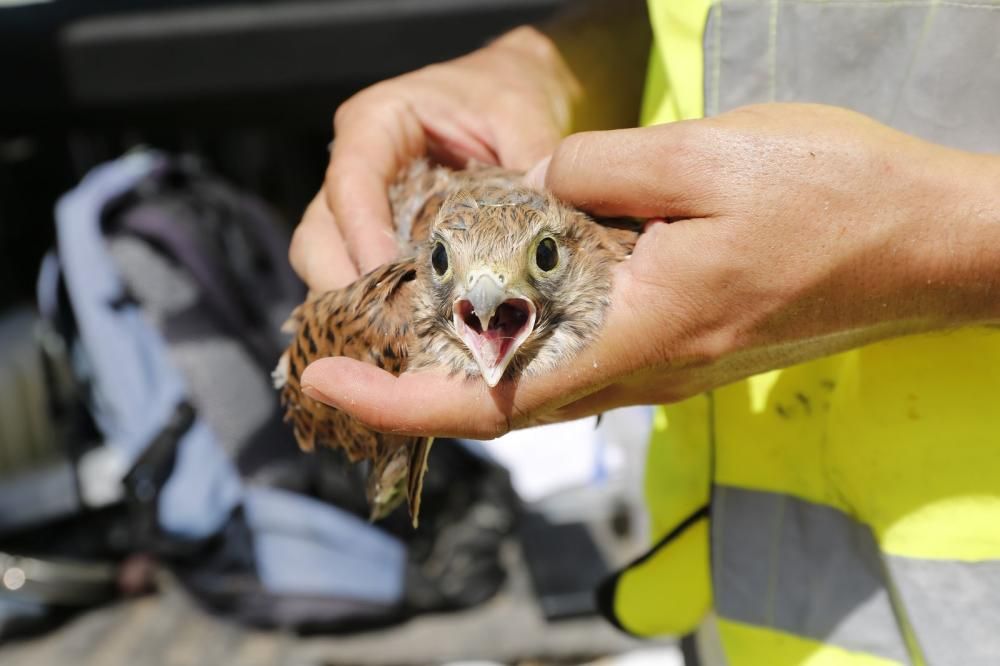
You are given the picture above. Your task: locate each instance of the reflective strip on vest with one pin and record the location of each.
(953, 608)
(926, 67)
(804, 569)
(812, 571)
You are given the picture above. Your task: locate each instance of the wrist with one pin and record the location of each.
(956, 264)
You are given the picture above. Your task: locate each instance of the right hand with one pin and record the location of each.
(507, 104)
(799, 231)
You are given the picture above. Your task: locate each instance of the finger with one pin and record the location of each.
(419, 403)
(434, 403)
(659, 171)
(371, 146)
(317, 251)
(520, 144)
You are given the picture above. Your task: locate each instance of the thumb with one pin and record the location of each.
(643, 172)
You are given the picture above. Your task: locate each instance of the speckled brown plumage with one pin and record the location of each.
(538, 306)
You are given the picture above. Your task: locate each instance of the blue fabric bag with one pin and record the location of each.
(241, 542)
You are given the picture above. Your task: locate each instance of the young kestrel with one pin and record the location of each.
(497, 280)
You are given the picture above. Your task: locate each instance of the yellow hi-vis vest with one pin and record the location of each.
(846, 510)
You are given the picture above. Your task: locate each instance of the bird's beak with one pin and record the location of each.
(493, 323)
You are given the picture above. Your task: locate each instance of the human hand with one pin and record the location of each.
(507, 104)
(798, 231)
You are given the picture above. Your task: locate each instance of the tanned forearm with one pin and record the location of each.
(959, 252)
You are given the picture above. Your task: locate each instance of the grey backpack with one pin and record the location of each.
(160, 315)
(175, 459)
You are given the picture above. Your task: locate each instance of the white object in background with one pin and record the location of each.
(627, 432)
(667, 655)
(100, 472)
(547, 460)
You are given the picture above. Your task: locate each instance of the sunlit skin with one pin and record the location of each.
(797, 231)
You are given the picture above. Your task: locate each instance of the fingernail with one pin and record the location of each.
(535, 177)
(651, 221)
(313, 393)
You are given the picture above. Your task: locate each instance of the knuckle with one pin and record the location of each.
(374, 418)
(297, 248)
(341, 113)
(360, 105)
(570, 148)
(565, 160)
(345, 111)
(511, 101)
(330, 180)
(338, 186)
(494, 427)
(686, 140)
(374, 422)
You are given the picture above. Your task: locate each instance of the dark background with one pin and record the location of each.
(249, 86)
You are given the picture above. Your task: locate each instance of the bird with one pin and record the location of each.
(495, 280)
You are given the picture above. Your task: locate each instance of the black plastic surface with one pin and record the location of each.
(565, 566)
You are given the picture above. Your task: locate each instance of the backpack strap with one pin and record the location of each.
(135, 389)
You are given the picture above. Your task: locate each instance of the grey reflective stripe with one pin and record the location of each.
(802, 568)
(953, 608)
(928, 68)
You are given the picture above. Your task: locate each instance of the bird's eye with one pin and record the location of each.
(439, 259)
(546, 255)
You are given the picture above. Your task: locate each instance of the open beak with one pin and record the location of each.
(493, 323)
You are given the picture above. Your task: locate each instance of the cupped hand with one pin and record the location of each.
(507, 104)
(797, 231)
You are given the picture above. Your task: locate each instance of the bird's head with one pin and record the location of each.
(512, 280)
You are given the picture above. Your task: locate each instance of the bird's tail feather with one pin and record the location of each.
(415, 476)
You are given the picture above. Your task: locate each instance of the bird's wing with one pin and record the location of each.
(370, 321)
(619, 240)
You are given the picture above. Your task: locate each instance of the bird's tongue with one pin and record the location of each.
(494, 346)
(504, 327)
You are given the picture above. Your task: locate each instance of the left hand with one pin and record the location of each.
(799, 231)
(507, 103)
